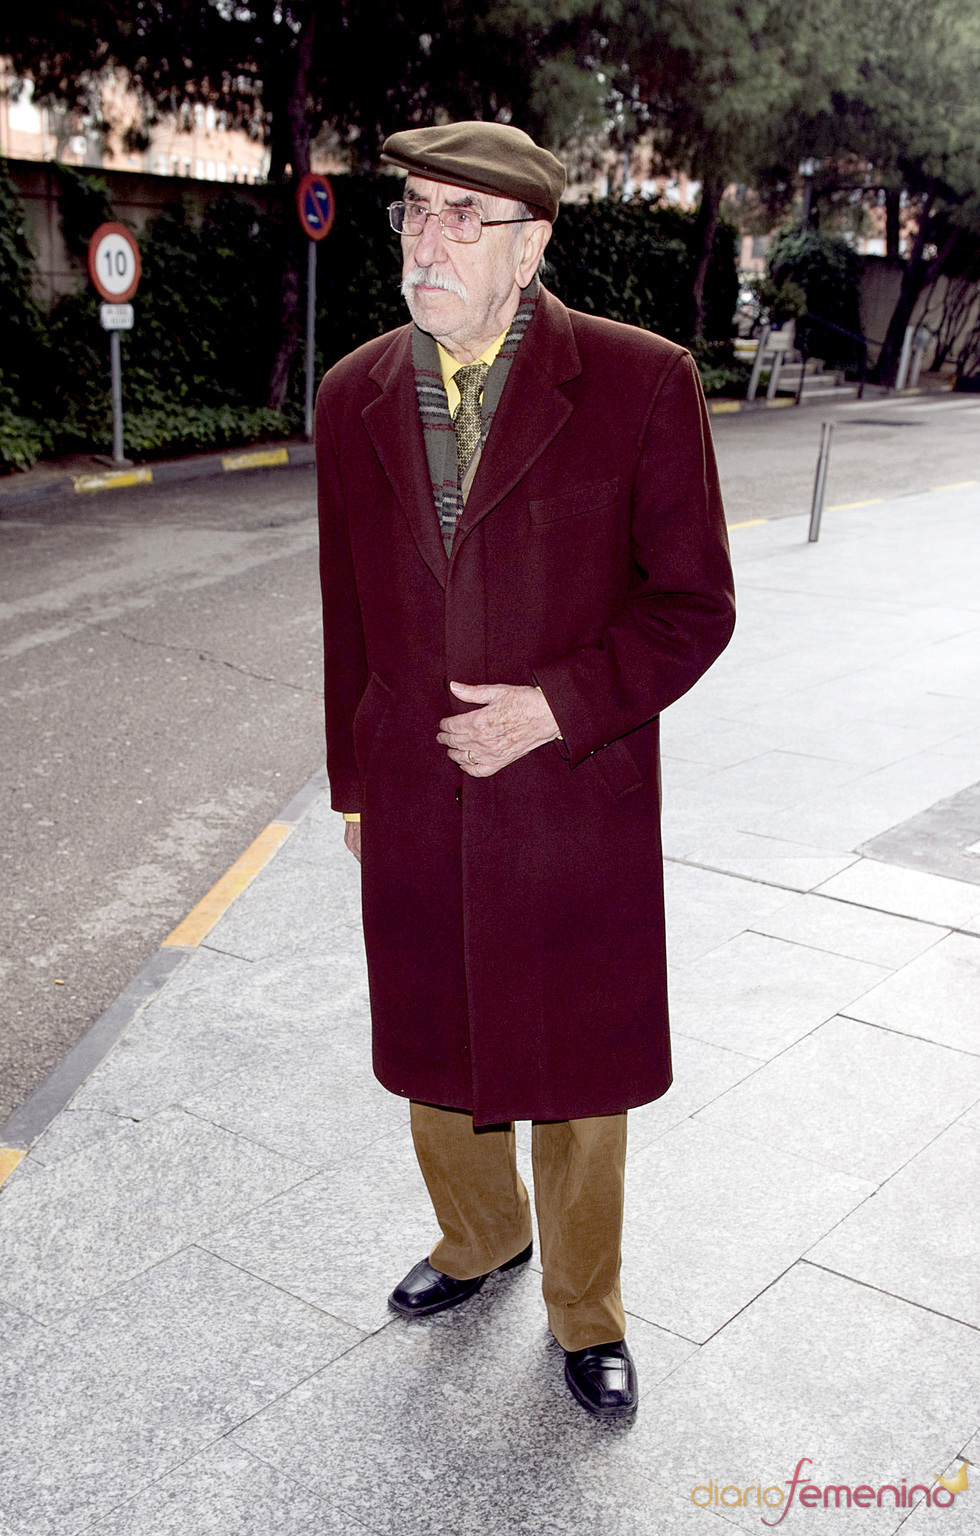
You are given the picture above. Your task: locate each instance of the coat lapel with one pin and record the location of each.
(532, 410)
(392, 422)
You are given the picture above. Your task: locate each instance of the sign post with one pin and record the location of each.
(114, 267)
(316, 207)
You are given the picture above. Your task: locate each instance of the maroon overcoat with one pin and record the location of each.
(514, 925)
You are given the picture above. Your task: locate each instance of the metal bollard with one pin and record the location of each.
(820, 482)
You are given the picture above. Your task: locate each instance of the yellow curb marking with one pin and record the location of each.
(258, 460)
(724, 407)
(114, 479)
(753, 522)
(845, 506)
(957, 485)
(202, 918)
(9, 1158)
(777, 405)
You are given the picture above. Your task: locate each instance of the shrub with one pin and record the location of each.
(829, 272)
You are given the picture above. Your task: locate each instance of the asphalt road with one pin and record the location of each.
(160, 701)
(880, 449)
(160, 690)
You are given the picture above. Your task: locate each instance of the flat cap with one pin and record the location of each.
(489, 157)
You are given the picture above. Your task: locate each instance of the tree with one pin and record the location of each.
(284, 69)
(911, 116)
(714, 80)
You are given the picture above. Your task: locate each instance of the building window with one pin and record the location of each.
(222, 171)
(161, 165)
(199, 169)
(199, 114)
(210, 170)
(209, 118)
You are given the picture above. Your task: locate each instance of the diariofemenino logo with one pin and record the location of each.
(803, 1490)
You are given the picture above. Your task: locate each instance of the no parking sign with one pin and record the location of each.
(316, 207)
(315, 204)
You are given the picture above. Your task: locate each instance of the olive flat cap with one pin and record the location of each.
(489, 157)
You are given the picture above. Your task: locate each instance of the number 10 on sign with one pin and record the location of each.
(114, 267)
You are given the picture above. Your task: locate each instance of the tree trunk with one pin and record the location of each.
(291, 136)
(706, 223)
(917, 276)
(893, 203)
(913, 281)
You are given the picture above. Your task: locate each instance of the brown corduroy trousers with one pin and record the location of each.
(482, 1207)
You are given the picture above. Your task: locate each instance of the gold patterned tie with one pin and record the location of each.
(467, 423)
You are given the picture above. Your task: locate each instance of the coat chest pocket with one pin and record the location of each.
(575, 502)
(369, 717)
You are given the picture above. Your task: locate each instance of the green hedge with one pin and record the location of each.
(829, 272)
(195, 365)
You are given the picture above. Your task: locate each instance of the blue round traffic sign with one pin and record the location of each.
(315, 202)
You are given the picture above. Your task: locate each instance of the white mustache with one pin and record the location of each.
(432, 278)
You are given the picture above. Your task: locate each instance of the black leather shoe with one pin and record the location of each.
(603, 1378)
(425, 1290)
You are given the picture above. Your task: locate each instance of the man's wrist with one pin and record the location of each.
(558, 735)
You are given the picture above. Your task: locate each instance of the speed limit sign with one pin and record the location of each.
(114, 263)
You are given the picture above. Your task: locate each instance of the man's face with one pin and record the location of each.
(463, 294)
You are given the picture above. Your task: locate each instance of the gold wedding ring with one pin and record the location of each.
(472, 759)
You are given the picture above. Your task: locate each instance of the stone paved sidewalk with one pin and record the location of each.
(194, 1258)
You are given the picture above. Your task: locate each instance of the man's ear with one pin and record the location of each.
(536, 237)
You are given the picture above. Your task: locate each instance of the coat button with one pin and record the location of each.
(459, 794)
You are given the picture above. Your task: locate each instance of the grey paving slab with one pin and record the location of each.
(906, 892)
(301, 898)
(701, 1073)
(936, 997)
(865, 807)
(757, 995)
(122, 1393)
(705, 908)
(857, 932)
(74, 1129)
(780, 777)
(117, 1208)
(943, 839)
(343, 1239)
(713, 1218)
(853, 1096)
(964, 744)
(227, 1492)
(463, 1423)
(316, 1100)
(917, 1238)
(720, 743)
(793, 866)
(184, 1039)
(226, 1015)
(868, 1387)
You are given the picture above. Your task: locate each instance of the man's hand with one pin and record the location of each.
(513, 721)
(352, 837)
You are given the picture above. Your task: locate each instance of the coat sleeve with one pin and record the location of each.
(680, 612)
(344, 662)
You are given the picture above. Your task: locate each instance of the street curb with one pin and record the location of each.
(733, 407)
(204, 466)
(32, 1118)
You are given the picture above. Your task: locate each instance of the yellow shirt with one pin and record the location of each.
(449, 366)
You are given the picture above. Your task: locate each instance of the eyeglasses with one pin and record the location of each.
(462, 224)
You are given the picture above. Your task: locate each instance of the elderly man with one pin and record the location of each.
(524, 560)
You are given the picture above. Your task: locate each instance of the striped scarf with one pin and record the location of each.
(448, 494)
